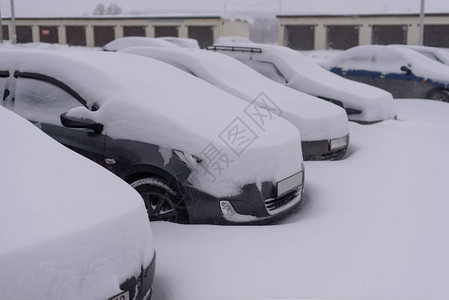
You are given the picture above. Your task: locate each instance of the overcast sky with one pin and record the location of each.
(55, 8)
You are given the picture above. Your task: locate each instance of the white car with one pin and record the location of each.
(169, 134)
(69, 229)
(137, 41)
(323, 126)
(403, 72)
(363, 103)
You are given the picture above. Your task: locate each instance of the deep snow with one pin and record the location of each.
(375, 226)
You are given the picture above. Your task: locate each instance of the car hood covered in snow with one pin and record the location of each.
(69, 228)
(146, 100)
(305, 75)
(315, 118)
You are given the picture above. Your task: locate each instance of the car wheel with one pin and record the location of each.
(439, 95)
(162, 201)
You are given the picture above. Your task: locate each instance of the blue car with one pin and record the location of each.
(403, 72)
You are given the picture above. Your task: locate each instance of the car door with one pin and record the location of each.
(41, 100)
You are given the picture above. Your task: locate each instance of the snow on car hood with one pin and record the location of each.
(315, 118)
(146, 100)
(305, 75)
(135, 41)
(69, 228)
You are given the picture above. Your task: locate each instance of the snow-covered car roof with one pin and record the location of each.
(389, 59)
(303, 74)
(182, 42)
(69, 228)
(438, 54)
(315, 118)
(147, 100)
(137, 41)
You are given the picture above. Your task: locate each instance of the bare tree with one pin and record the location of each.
(112, 9)
(99, 9)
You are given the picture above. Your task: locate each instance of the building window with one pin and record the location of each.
(300, 37)
(133, 31)
(24, 34)
(48, 34)
(76, 35)
(436, 35)
(103, 35)
(389, 34)
(161, 31)
(342, 37)
(203, 34)
(5, 31)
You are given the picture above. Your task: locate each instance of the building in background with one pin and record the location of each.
(313, 32)
(98, 31)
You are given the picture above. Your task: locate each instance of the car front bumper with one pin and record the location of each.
(332, 149)
(138, 287)
(251, 206)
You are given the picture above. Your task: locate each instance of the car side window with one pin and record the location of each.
(267, 69)
(40, 101)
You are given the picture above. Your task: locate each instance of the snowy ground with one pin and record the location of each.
(375, 226)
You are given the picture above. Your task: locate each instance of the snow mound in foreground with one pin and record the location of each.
(69, 228)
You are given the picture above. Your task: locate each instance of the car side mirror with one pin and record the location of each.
(75, 118)
(406, 69)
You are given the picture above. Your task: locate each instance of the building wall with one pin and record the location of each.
(213, 25)
(365, 23)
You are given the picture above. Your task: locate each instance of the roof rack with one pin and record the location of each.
(234, 48)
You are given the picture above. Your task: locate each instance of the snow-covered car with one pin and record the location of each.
(440, 55)
(363, 103)
(137, 41)
(403, 72)
(191, 158)
(69, 229)
(323, 126)
(181, 42)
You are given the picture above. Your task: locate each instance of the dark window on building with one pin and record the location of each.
(389, 34)
(160, 31)
(5, 30)
(76, 35)
(103, 35)
(436, 35)
(342, 37)
(203, 34)
(24, 34)
(300, 37)
(133, 31)
(48, 34)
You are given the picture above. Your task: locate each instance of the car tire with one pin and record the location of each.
(439, 95)
(163, 202)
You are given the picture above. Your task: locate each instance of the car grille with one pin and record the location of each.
(275, 203)
(334, 155)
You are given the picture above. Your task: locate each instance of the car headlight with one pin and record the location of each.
(339, 143)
